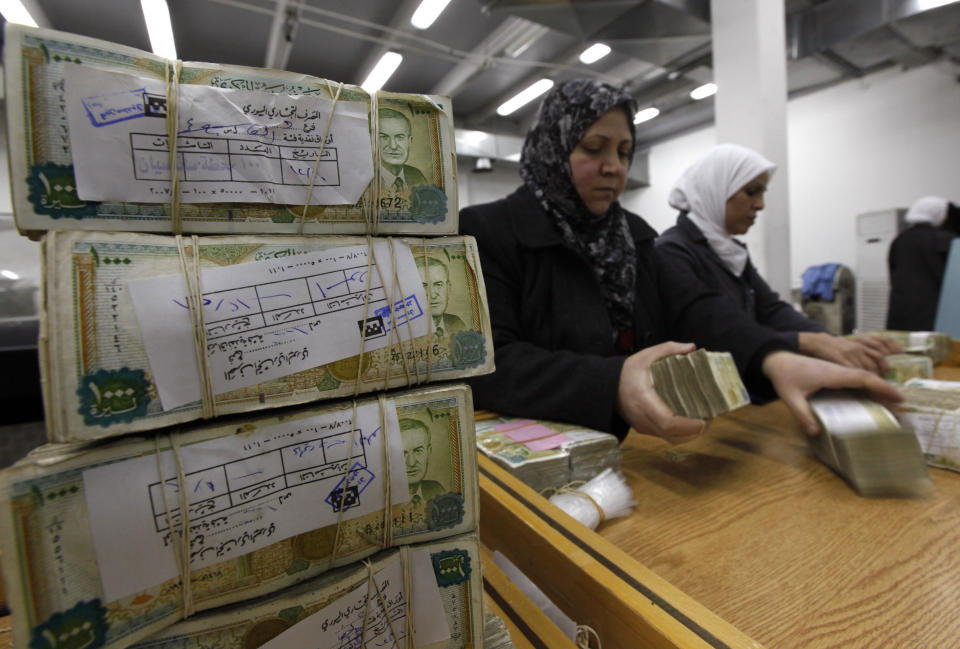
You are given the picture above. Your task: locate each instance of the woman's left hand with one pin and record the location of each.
(862, 352)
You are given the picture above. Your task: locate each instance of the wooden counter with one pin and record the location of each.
(746, 521)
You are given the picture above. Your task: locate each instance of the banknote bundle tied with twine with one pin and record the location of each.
(260, 521)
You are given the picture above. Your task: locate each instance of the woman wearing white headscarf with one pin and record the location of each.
(719, 197)
(917, 261)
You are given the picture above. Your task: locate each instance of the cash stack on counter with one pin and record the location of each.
(903, 367)
(931, 409)
(139, 523)
(864, 443)
(936, 345)
(700, 384)
(547, 454)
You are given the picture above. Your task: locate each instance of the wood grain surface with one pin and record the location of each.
(751, 525)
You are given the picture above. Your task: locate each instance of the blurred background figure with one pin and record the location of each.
(917, 260)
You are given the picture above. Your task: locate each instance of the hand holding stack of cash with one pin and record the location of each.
(261, 520)
(938, 346)
(866, 445)
(700, 384)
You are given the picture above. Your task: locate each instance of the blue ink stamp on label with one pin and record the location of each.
(347, 492)
(405, 310)
(116, 107)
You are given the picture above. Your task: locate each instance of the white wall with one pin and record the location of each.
(486, 186)
(864, 145)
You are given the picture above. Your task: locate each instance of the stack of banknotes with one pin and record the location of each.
(357, 606)
(272, 500)
(903, 367)
(700, 384)
(285, 321)
(864, 443)
(547, 454)
(89, 146)
(938, 346)
(931, 409)
(136, 515)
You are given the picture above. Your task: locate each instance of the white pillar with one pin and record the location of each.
(750, 70)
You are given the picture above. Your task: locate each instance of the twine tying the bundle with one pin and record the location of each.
(179, 540)
(316, 165)
(195, 307)
(571, 488)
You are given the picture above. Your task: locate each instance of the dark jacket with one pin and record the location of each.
(552, 335)
(694, 264)
(917, 262)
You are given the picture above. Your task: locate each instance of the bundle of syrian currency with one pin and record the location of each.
(864, 443)
(90, 531)
(284, 320)
(931, 409)
(903, 367)
(356, 606)
(938, 346)
(700, 384)
(90, 147)
(547, 454)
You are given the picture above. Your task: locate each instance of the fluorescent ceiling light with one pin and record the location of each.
(14, 12)
(594, 53)
(382, 71)
(9, 274)
(704, 91)
(646, 115)
(527, 35)
(427, 12)
(524, 97)
(157, 16)
(513, 157)
(926, 5)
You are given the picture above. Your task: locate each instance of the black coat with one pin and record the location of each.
(917, 261)
(687, 252)
(552, 335)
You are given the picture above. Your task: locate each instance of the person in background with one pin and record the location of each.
(917, 261)
(579, 304)
(719, 197)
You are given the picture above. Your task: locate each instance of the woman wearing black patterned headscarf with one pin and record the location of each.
(578, 305)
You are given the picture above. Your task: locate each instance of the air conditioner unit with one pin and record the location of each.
(875, 232)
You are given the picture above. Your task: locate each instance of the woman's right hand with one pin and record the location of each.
(640, 405)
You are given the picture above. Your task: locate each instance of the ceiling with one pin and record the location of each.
(661, 48)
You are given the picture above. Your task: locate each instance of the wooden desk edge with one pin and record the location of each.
(588, 578)
(529, 627)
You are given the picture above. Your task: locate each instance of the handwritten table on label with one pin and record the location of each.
(224, 487)
(750, 524)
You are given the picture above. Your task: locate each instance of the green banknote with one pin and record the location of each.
(99, 379)
(864, 443)
(934, 344)
(89, 532)
(252, 172)
(345, 609)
